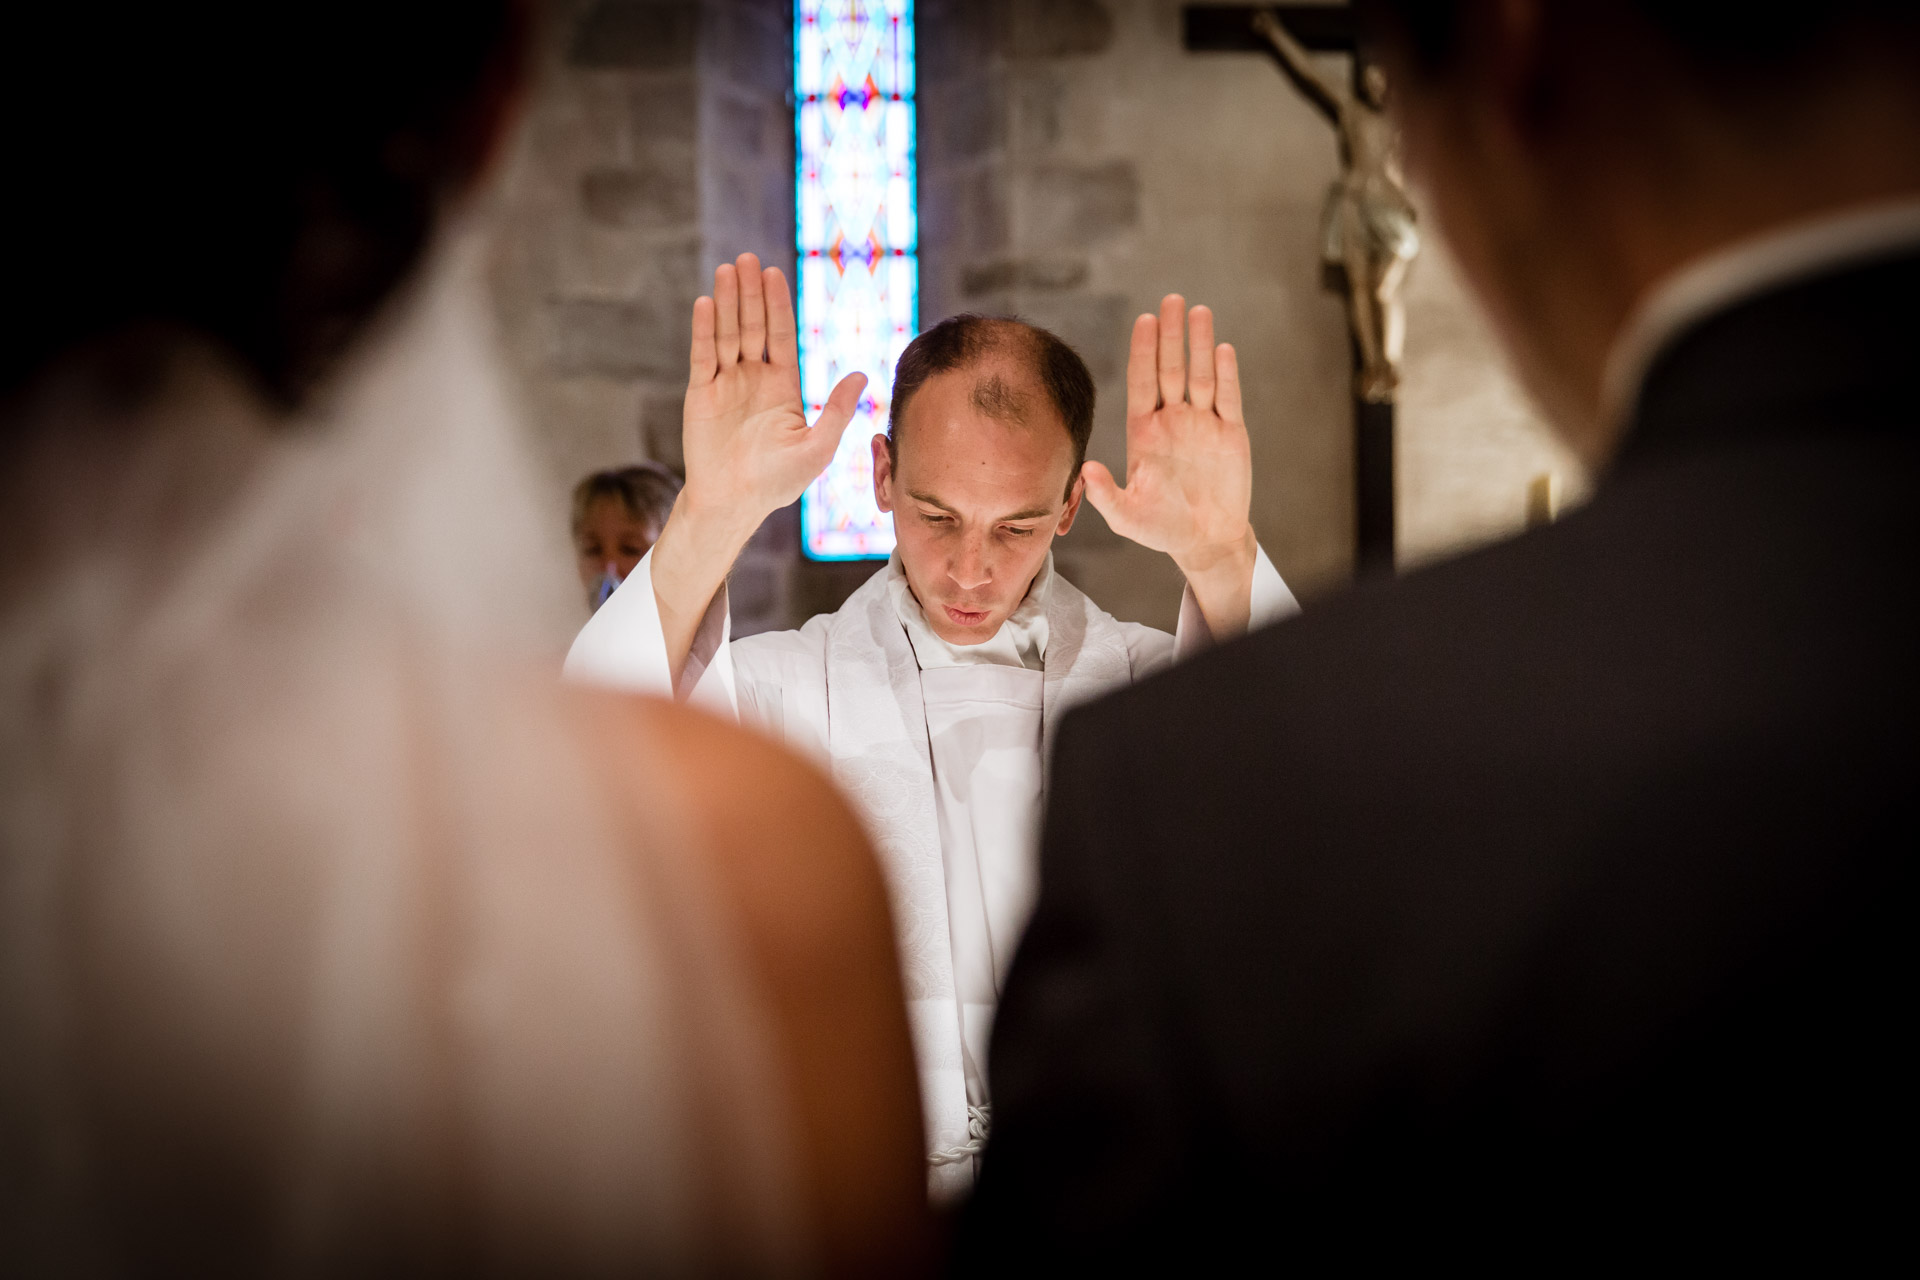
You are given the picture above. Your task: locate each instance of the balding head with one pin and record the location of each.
(1020, 374)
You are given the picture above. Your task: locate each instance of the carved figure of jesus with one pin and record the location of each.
(1368, 228)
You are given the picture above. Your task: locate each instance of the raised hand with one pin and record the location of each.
(1189, 468)
(748, 448)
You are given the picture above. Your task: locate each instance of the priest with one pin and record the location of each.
(933, 693)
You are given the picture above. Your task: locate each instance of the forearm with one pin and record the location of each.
(690, 563)
(1221, 578)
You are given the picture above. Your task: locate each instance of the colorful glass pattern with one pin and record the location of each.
(858, 233)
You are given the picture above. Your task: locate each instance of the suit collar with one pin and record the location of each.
(1758, 265)
(1800, 330)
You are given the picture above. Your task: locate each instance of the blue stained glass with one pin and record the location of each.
(859, 243)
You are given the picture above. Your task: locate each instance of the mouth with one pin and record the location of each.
(965, 617)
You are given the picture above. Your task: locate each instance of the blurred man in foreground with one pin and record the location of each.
(1556, 893)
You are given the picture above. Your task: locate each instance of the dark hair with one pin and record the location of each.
(261, 175)
(1712, 35)
(647, 492)
(963, 340)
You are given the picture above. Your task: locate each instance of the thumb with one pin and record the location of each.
(838, 412)
(1103, 491)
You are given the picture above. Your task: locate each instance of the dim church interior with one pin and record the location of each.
(1074, 163)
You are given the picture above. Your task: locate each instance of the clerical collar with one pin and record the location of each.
(1726, 276)
(1021, 640)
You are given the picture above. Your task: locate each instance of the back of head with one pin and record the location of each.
(968, 340)
(260, 175)
(1578, 154)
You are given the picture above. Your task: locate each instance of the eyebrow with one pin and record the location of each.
(1032, 513)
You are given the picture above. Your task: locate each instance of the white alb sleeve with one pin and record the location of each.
(623, 647)
(1271, 601)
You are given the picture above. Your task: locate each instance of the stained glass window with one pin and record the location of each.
(858, 243)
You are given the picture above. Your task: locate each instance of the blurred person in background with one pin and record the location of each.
(337, 937)
(617, 517)
(1550, 905)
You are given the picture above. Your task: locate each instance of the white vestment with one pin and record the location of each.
(941, 749)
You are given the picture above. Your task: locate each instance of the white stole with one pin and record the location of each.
(879, 753)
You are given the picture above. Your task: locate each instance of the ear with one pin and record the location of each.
(1075, 492)
(882, 473)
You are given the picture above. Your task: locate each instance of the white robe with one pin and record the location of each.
(941, 748)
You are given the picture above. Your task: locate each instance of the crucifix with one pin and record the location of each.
(1368, 234)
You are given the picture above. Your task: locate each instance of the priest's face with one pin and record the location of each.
(977, 482)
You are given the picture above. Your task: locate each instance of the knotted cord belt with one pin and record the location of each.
(979, 1121)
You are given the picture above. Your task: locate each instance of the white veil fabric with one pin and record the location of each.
(326, 942)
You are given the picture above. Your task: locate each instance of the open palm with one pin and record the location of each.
(1189, 467)
(745, 437)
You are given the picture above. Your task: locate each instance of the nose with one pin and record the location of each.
(969, 568)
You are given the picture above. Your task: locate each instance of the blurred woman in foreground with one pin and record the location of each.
(335, 934)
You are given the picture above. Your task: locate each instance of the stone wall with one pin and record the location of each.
(1075, 164)
(658, 142)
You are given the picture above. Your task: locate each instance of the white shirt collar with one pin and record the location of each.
(1747, 267)
(1021, 640)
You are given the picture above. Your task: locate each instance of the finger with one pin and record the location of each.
(1226, 371)
(1143, 387)
(836, 414)
(1200, 358)
(783, 346)
(703, 364)
(753, 310)
(1173, 355)
(726, 304)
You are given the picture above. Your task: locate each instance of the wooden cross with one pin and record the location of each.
(1228, 28)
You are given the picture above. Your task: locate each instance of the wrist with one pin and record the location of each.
(694, 554)
(1226, 561)
(721, 526)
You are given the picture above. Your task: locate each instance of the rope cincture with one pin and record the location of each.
(979, 1121)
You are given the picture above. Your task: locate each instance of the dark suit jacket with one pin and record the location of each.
(1557, 891)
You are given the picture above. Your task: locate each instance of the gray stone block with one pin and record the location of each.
(963, 120)
(1059, 28)
(747, 45)
(747, 127)
(635, 35)
(964, 211)
(656, 195)
(1046, 272)
(1037, 101)
(614, 339)
(662, 108)
(1073, 205)
(1098, 326)
(954, 38)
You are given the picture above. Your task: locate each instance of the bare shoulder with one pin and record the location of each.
(789, 853)
(791, 862)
